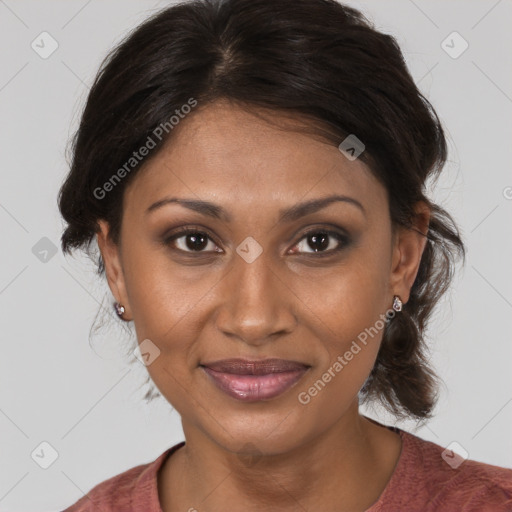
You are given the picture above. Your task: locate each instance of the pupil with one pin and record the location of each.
(321, 239)
(198, 241)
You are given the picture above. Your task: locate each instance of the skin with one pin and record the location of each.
(288, 303)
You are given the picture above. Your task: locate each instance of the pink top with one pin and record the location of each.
(422, 481)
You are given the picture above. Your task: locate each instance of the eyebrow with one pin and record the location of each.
(285, 215)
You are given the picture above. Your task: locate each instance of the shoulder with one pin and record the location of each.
(429, 477)
(126, 491)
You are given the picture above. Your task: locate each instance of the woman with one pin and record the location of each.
(253, 172)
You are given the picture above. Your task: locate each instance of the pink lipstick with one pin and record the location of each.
(251, 381)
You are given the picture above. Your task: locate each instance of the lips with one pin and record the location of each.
(254, 380)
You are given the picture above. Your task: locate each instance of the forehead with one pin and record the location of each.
(223, 152)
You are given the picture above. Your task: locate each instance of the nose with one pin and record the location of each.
(257, 305)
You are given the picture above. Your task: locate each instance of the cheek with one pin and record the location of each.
(353, 296)
(162, 294)
(170, 304)
(350, 335)
(349, 312)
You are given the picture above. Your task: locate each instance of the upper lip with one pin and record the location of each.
(255, 367)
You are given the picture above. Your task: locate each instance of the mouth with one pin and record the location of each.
(252, 381)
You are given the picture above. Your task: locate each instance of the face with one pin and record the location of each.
(257, 276)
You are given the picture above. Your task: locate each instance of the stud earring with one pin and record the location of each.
(119, 309)
(397, 303)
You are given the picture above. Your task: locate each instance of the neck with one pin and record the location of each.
(345, 468)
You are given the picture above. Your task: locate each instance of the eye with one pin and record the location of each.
(192, 240)
(322, 242)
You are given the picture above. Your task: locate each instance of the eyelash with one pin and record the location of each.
(339, 237)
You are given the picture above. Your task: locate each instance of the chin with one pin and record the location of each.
(258, 432)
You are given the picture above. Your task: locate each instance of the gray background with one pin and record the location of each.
(81, 395)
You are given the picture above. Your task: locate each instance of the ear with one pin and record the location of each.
(113, 267)
(409, 244)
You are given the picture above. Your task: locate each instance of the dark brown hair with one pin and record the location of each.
(316, 59)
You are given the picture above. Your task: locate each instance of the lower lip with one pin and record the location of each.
(252, 388)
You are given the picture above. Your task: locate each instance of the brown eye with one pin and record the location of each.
(321, 241)
(189, 240)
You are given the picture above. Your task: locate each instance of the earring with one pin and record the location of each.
(119, 309)
(397, 303)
